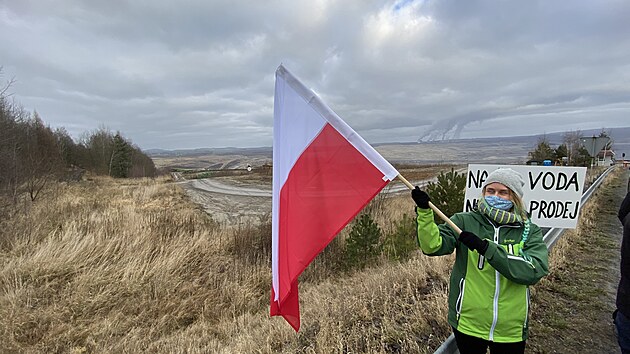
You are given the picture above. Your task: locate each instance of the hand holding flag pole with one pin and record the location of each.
(433, 207)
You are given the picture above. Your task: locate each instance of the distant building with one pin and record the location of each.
(605, 158)
(624, 162)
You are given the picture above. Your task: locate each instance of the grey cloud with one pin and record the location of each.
(200, 73)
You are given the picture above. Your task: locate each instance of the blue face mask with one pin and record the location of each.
(499, 203)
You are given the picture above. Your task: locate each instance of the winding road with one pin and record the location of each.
(214, 186)
(232, 203)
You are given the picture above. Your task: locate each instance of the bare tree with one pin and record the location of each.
(4, 89)
(100, 147)
(12, 118)
(8, 147)
(42, 159)
(572, 140)
(142, 165)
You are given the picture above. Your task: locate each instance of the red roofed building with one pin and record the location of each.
(605, 158)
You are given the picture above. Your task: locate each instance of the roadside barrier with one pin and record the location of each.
(551, 236)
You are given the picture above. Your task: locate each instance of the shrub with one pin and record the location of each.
(402, 241)
(448, 193)
(363, 244)
(203, 175)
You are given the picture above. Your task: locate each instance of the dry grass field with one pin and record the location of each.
(126, 266)
(132, 266)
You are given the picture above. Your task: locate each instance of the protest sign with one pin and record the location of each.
(551, 193)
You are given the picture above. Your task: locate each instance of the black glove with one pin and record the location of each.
(420, 197)
(473, 242)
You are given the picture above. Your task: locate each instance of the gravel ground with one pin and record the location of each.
(228, 203)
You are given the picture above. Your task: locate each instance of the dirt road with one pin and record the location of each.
(216, 186)
(233, 202)
(228, 203)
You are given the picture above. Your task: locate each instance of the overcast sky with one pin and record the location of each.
(188, 74)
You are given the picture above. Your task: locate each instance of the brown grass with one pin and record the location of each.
(132, 266)
(588, 216)
(571, 308)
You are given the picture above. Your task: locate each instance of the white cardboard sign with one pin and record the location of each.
(551, 193)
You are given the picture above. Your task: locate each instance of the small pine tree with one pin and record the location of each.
(543, 151)
(448, 193)
(363, 244)
(583, 158)
(561, 153)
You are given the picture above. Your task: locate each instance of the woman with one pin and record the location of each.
(499, 253)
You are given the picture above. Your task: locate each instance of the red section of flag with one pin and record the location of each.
(328, 185)
(290, 309)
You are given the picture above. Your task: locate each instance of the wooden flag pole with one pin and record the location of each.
(435, 209)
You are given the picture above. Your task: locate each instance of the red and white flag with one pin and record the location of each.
(324, 173)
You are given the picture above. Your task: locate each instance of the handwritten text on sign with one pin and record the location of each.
(551, 193)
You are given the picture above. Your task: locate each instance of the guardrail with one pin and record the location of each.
(551, 236)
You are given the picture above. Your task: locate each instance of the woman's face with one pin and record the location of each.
(499, 190)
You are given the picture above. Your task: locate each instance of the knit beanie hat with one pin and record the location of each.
(507, 177)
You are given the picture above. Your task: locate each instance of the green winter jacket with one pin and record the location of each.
(489, 294)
